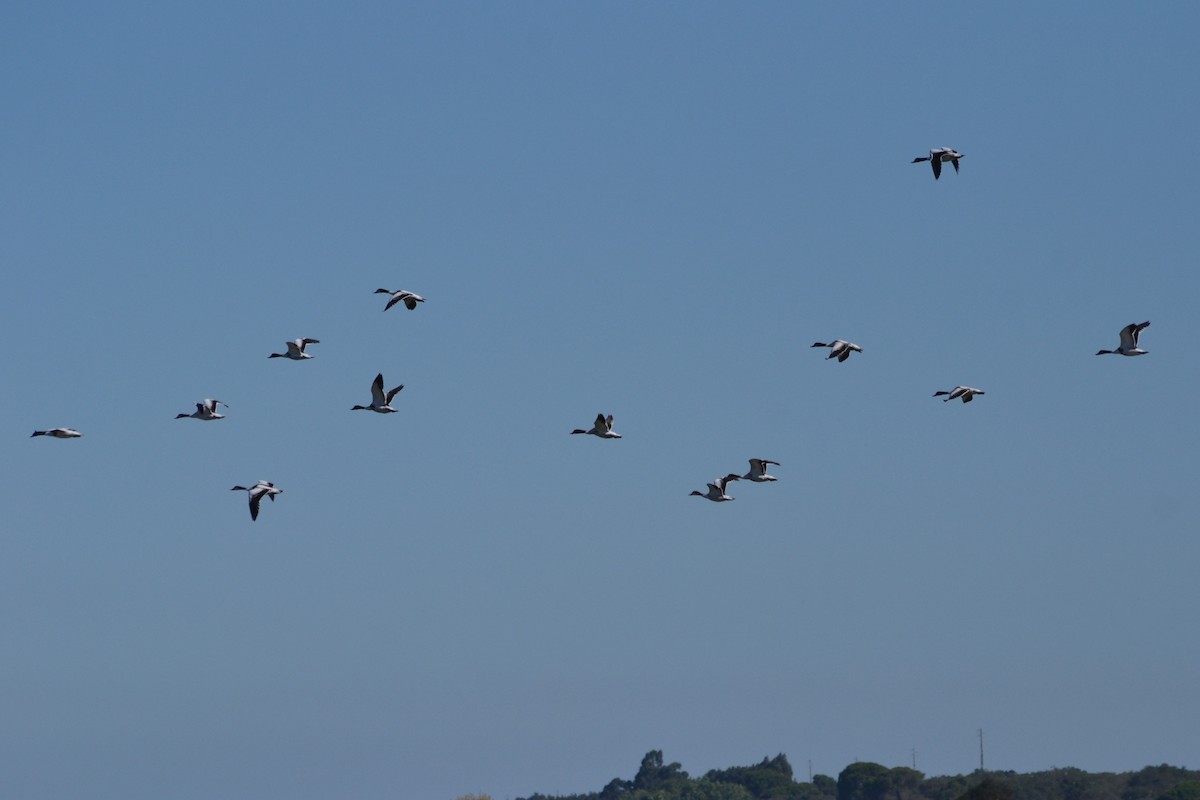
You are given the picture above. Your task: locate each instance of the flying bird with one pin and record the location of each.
(409, 299)
(295, 349)
(602, 428)
(257, 492)
(58, 433)
(938, 155)
(839, 349)
(1129, 341)
(967, 394)
(716, 489)
(758, 471)
(381, 402)
(206, 411)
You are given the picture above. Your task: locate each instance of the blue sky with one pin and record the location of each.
(650, 210)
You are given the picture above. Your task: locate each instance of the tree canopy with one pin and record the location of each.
(773, 779)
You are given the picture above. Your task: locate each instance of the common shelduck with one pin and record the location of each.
(58, 433)
(967, 393)
(938, 155)
(257, 492)
(716, 489)
(758, 471)
(408, 298)
(206, 411)
(839, 349)
(295, 349)
(602, 428)
(1129, 341)
(380, 401)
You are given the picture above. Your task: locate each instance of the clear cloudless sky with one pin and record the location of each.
(646, 209)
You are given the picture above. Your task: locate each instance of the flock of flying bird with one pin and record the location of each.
(297, 350)
(381, 399)
(602, 428)
(841, 350)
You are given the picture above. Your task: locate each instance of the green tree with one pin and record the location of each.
(906, 782)
(825, 785)
(770, 779)
(864, 781)
(616, 788)
(704, 789)
(655, 775)
(1188, 790)
(1151, 782)
(989, 789)
(949, 787)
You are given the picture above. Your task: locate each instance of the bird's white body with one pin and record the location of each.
(257, 492)
(58, 433)
(967, 393)
(296, 349)
(381, 401)
(409, 299)
(839, 349)
(601, 428)
(1129, 341)
(206, 410)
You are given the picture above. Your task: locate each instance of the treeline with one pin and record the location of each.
(772, 779)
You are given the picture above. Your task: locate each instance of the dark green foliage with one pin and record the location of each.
(704, 789)
(865, 780)
(772, 779)
(906, 782)
(825, 785)
(1150, 783)
(654, 776)
(989, 789)
(1188, 790)
(616, 788)
(947, 787)
(868, 781)
(1067, 783)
